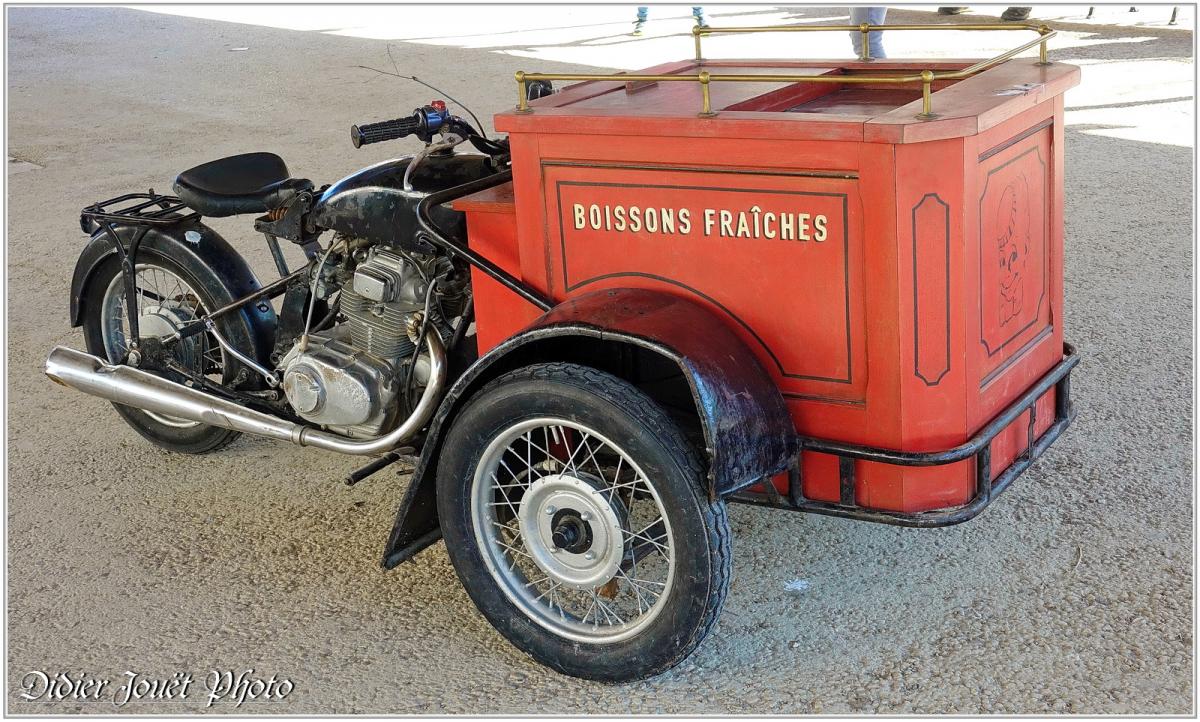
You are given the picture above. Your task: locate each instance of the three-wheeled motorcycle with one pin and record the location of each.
(825, 285)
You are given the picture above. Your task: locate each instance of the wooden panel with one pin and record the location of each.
(777, 256)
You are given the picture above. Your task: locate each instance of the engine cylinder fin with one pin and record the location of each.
(377, 328)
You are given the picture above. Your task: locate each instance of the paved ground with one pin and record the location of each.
(1072, 594)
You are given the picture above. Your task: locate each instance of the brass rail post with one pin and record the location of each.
(865, 29)
(522, 92)
(926, 99)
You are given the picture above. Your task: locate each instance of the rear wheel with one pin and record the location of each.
(169, 296)
(575, 515)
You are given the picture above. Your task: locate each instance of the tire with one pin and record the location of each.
(580, 411)
(190, 439)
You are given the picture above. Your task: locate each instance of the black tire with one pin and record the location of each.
(212, 294)
(628, 417)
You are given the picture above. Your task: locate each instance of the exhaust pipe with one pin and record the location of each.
(133, 387)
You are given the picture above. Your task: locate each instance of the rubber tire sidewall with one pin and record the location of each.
(213, 294)
(701, 573)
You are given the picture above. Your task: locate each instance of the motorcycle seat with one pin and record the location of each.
(246, 183)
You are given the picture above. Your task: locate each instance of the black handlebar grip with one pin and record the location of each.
(361, 135)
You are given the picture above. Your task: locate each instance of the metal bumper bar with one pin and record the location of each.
(978, 448)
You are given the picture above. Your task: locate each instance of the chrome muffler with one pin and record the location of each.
(133, 387)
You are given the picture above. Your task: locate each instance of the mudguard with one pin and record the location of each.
(748, 432)
(208, 247)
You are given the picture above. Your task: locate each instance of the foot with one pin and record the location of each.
(1016, 13)
(637, 28)
(952, 10)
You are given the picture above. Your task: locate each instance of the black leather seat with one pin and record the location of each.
(247, 183)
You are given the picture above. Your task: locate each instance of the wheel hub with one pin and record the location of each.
(162, 321)
(573, 531)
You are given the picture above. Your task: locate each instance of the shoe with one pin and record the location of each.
(637, 28)
(1017, 13)
(953, 10)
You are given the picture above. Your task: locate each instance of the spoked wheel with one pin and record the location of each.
(168, 297)
(575, 515)
(165, 303)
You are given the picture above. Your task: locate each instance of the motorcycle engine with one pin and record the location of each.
(351, 380)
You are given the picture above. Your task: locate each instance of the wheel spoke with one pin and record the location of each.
(562, 470)
(177, 304)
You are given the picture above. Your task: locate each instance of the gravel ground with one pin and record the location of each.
(1073, 593)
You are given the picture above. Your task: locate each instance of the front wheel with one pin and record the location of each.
(575, 515)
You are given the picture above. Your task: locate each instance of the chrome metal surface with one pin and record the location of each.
(603, 518)
(142, 390)
(386, 289)
(572, 530)
(165, 303)
(334, 384)
(263, 371)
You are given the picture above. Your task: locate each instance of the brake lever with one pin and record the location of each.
(449, 141)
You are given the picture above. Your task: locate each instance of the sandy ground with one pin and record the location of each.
(1073, 593)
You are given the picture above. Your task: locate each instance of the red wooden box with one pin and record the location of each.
(900, 278)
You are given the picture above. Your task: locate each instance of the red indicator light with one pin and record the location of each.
(438, 105)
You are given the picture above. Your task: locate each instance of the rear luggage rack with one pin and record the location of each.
(141, 211)
(136, 209)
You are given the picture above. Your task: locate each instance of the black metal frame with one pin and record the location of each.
(150, 209)
(147, 210)
(142, 214)
(461, 249)
(978, 448)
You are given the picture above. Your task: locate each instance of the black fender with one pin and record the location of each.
(229, 269)
(747, 430)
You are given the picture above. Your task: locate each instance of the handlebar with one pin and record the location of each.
(361, 135)
(423, 123)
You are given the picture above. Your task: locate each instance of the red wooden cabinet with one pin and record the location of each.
(899, 278)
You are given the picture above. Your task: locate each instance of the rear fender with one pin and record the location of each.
(747, 431)
(229, 271)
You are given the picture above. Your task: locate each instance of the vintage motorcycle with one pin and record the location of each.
(570, 501)
(752, 296)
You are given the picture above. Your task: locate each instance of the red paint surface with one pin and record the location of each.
(932, 299)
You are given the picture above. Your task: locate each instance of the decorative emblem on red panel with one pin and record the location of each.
(1012, 248)
(1012, 243)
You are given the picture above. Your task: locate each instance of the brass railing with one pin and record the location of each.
(926, 77)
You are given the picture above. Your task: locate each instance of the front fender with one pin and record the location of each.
(748, 432)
